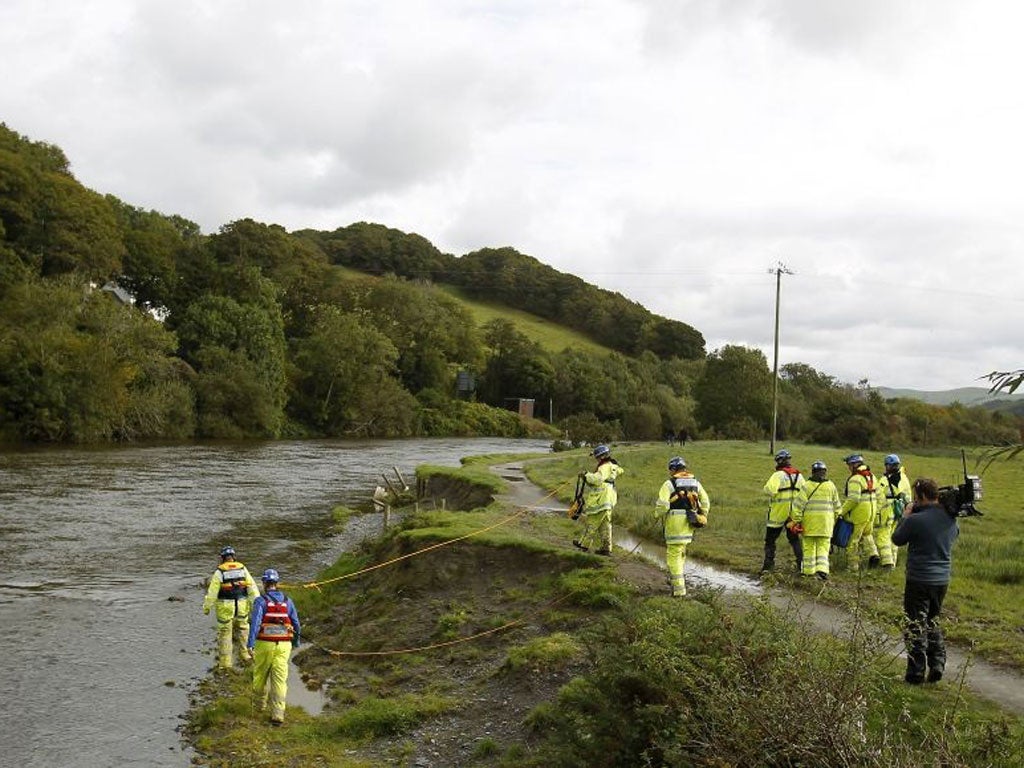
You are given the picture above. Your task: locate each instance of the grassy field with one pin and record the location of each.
(983, 607)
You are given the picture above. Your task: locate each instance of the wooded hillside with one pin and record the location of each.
(118, 323)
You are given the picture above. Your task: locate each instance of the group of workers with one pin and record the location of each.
(809, 508)
(881, 514)
(265, 627)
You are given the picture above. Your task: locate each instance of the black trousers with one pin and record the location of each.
(770, 536)
(926, 647)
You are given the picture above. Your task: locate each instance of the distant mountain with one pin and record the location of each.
(963, 395)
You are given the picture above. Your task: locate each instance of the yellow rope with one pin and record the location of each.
(510, 518)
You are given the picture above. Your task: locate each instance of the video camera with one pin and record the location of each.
(959, 499)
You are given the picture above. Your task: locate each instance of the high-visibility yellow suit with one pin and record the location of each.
(782, 489)
(275, 631)
(860, 507)
(816, 509)
(232, 592)
(598, 505)
(894, 494)
(682, 505)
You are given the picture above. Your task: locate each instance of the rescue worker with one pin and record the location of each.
(814, 515)
(893, 495)
(860, 507)
(682, 506)
(599, 502)
(232, 591)
(275, 631)
(781, 489)
(929, 532)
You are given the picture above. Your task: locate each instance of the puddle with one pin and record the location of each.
(693, 570)
(312, 701)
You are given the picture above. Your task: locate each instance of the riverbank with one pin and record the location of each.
(487, 652)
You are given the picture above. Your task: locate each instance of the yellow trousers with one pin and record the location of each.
(597, 525)
(232, 624)
(861, 535)
(675, 559)
(270, 676)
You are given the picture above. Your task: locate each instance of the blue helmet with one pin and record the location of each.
(892, 460)
(227, 551)
(783, 455)
(854, 458)
(819, 466)
(602, 451)
(676, 463)
(271, 575)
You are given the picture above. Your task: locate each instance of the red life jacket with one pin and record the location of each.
(866, 474)
(276, 625)
(794, 476)
(233, 583)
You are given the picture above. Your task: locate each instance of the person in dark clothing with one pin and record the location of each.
(928, 531)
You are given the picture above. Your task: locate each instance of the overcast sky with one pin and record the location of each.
(672, 150)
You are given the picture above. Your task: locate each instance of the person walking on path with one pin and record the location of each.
(814, 515)
(781, 489)
(599, 502)
(682, 506)
(275, 631)
(893, 496)
(929, 532)
(232, 591)
(860, 506)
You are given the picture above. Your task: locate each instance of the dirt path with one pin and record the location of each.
(1002, 686)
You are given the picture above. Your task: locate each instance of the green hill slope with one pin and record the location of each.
(548, 334)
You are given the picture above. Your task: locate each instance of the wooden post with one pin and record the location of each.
(401, 479)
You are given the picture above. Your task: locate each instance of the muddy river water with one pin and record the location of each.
(102, 558)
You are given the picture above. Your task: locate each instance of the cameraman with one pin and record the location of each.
(929, 531)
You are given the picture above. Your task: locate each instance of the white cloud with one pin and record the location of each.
(673, 151)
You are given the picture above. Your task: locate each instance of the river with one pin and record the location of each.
(103, 555)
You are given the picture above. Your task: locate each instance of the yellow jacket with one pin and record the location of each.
(601, 495)
(782, 489)
(861, 503)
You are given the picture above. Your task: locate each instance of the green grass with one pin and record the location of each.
(549, 335)
(549, 652)
(374, 717)
(983, 605)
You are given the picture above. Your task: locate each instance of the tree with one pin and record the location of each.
(734, 393)
(516, 366)
(238, 350)
(77, 366)
(342, 381)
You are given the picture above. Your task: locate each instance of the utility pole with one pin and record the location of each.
(779, 269)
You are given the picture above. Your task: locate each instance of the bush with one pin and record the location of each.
(681, 683)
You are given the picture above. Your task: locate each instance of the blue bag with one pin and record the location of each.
(841, 533)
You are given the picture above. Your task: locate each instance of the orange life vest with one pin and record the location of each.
(233, 583)
(276, 625)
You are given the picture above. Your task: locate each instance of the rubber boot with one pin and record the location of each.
(769, 559)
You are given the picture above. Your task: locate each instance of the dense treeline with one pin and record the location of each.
(255, 332)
